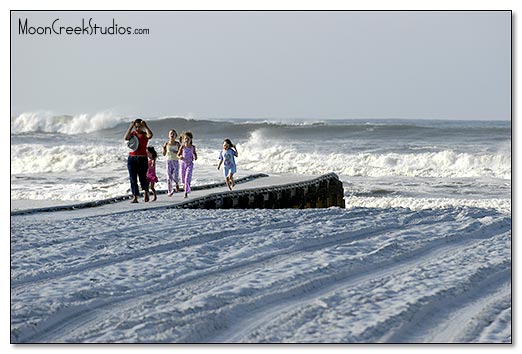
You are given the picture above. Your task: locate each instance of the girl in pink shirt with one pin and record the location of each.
(151, 172)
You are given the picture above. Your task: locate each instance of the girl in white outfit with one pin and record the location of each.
(170, 149)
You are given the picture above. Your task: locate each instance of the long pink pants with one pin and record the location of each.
(186, 174)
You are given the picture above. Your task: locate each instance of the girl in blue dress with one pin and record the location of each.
(227, 158)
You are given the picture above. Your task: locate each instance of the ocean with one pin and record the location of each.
(383, 163)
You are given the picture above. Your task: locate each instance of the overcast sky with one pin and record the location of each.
(318, 65)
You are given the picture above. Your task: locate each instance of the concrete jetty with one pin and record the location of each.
(260, 191)
(320, 192)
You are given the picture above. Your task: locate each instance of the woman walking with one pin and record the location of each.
(137, 162)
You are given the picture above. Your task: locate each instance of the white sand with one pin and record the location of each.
(107, 275)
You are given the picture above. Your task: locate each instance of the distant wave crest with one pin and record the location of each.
(46, 122)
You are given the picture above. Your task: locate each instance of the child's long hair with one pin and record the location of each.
(152, 152)
(189, 134)
(229, 142)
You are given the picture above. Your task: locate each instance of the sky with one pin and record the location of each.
(266, 64)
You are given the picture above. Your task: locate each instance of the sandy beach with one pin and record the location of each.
(155, 275)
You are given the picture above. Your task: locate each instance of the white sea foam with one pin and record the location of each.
(71, 192)
(34, 158)
(286, 122)
(47, 122)
(37, 158)
(502, 205)
(259, 154)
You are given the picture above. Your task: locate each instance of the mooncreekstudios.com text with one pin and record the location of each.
(88, 28)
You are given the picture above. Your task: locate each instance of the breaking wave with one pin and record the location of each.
(256, 154)
(46, 122)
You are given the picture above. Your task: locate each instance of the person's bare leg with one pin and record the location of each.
(154, 197)
(228, 183)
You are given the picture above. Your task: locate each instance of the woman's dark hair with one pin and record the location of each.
(138, 121)
(152, 152)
